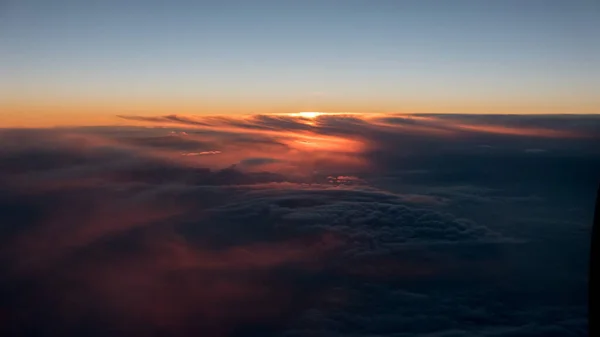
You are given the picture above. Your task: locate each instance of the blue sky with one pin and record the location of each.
(235, 56)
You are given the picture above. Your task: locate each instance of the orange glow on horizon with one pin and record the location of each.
(80, 112)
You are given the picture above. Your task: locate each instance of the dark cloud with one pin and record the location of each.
(374, 220)
(258, 161)
(275, 225)
(172, 141)
(164, 119)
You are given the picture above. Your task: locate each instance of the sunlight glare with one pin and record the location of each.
(307, 114)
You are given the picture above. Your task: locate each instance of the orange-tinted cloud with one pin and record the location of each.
(516, 131)
(116, 256)
(172, 286)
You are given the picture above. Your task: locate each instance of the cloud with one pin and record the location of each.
(258, 161)
(203, 153)
(387, 225)
(345, 180)
(174, 286)
(164, 119)
(372, 219)
(535, 150)
(119, 255)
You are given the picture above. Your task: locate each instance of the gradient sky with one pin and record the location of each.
(90, 60)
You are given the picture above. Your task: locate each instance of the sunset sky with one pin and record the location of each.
(291, 168)
(83, 62)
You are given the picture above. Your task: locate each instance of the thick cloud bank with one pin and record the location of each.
(292, 225)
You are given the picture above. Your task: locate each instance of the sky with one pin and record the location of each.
(83, 62)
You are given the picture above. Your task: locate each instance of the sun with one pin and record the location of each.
(307, 114)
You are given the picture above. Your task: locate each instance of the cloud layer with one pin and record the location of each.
(288, 225)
